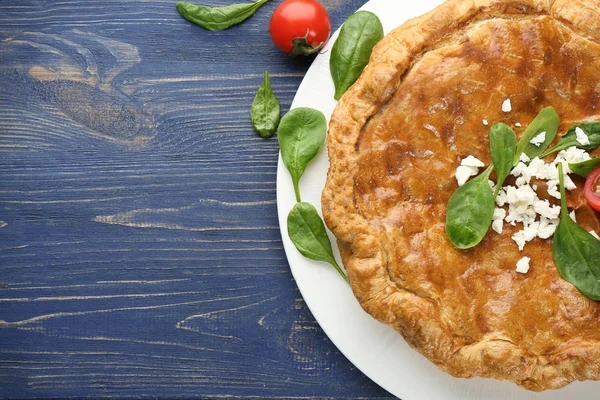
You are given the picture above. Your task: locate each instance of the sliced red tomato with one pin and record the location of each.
(591, 190)
(300, 27)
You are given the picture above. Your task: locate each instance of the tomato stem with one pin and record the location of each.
(303, 47)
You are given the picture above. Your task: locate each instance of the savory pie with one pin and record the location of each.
(395, 141)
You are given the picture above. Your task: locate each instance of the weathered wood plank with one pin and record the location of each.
(140, 253)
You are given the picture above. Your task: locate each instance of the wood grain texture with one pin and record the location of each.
(140, 253)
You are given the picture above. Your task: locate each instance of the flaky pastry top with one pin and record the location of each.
(395, 141)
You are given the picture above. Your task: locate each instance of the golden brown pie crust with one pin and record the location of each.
(395, 140)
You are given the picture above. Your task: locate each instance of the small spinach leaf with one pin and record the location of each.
(569, 139)
(301, 134)
(265, 110)
(503, 145)
(546, 121)
(307, 231)
(576, 252)
(584, 168)
(352, 49)
(470, 211)
(218, 18)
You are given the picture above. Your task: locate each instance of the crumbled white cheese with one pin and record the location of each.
(523, 265)
(527, 234)
(549, 171)
(485, 122)
(538, 217)
(547, 227)
(573, 216)
(471, 161)
(539, 169)
(469, 167)
(518, 124)
(569, 184)
(499, 213)
(582, 138)
(525, 194)
(519, 240)
(523, 214)
(520, 181)
(501, 199)
(498, 219)
(519, 169)
(506, 106)
(497, 225)
(536, 168)
(552, 188)
(463, 174)
(594, 234)
(524, 206)
(538, 140)
(546, 210)
(572, 155)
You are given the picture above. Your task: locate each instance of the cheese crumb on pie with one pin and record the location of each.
(463, 174)
(468, 167)
(523, 265)
(498, 219)
(539, 139)
(471, 161)
(506, 106)
(582, 138)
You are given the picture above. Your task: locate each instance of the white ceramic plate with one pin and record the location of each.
(374, 348)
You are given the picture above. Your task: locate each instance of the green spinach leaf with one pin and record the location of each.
(301, 134)
(584, 168)
(576, 252)
(569, 139)
(470, 211)
(307, 231)
(218, 18)
(352, 49)
(546, 121)
(265, 110)
(503, 145)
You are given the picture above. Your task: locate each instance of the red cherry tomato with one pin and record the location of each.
(591, 190)
(300, 26)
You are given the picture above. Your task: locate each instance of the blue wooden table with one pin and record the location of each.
(140, 253)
